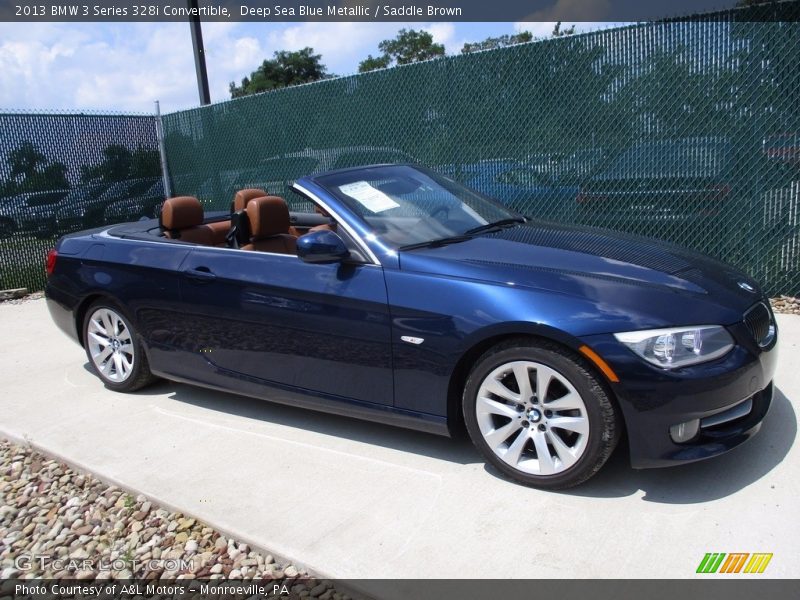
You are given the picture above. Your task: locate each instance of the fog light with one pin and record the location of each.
(683, 432)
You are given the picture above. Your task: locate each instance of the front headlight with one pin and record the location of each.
(678, 346)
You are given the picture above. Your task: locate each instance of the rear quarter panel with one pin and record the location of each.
(141, 277)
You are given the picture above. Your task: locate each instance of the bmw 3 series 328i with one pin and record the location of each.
(406, 298)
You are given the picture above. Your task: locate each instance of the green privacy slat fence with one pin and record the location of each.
(686, 131)
(62, 172)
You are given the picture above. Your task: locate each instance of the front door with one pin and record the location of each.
(275, 319)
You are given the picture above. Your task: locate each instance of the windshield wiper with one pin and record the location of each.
(452, 239)
(495, 225)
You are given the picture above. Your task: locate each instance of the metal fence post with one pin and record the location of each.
(162, 151)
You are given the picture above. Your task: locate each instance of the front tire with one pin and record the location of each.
(114, 349)
(539, 414)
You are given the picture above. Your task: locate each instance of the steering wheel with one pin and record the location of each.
(444, 209)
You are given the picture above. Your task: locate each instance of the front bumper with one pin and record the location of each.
(652, 400)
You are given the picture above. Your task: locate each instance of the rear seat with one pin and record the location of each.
(182, 219)
(239, 233)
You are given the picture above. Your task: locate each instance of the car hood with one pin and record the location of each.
(590, 263)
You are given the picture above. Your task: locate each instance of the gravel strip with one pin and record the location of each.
(789, 305)
(73, 526)
(33, 296)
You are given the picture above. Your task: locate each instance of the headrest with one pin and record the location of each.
(244, 196)
(268, 216)
(181, 212)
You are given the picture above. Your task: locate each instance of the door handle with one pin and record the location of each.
(200, 274)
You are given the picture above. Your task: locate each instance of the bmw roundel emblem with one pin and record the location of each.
(746, 286)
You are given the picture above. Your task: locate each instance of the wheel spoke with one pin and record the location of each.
(98, 326)
(500, 435)
(108, 325)
(489, 406)
(98, 339)
(117, 325)
(511, 456)
(118, 366)
(543, 377)
(570, 401)
(105, 367)
(124, 335)
(522, 375)
(547, 465)
(125, 364)
(495, 387)
(103, 355)
(576, 424)
(565, 454)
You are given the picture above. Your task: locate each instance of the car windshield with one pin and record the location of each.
(405, 205)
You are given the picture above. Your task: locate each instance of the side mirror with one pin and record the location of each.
(321, 247)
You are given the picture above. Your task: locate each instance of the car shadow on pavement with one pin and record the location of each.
(685, 484)
(459, 451)
(706, 480)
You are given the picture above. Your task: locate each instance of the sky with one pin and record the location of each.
(124, 67)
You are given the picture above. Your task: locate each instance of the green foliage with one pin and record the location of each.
(32, 171)
(145, 163)
(558, 32)
(26, 160)
(502, 41)
(409, 46)
(285, 69)
(372, 63)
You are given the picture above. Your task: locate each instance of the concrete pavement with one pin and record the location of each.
(351, 499)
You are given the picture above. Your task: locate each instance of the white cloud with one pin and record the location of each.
(65, 66)
(342, 45)
(443, 33)
(125, 66)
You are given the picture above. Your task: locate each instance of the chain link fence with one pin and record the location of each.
(65, 172)
(687, 131)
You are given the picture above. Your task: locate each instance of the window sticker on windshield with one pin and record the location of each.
(369, 197)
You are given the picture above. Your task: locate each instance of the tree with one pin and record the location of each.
(32, 171)
(558, 32)
(409, 46)
(26, 160)
(372, 63)
(145, 163)
(116, 165)
(285, 69)
(502, 41)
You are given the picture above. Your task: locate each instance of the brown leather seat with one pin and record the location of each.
(240, 202)
(269, 226)
(182, 219)
(243, 198)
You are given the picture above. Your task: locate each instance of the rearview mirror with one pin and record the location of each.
(321, 247)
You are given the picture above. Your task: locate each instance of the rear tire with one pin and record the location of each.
(551, 438)
(114, 349)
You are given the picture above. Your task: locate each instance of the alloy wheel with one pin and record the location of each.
(110, 345)
(532, 418)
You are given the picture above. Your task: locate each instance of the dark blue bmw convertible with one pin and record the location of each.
(409, 299)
